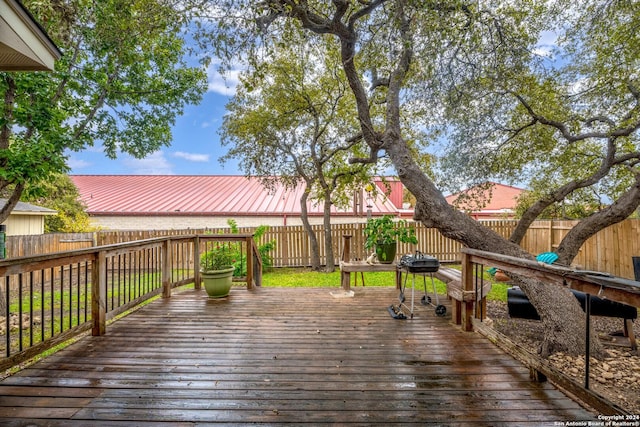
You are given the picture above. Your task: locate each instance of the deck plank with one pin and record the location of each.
(281, 356)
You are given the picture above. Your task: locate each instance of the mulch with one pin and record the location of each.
(616, 377)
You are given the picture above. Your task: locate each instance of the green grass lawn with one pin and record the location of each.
(305, 278)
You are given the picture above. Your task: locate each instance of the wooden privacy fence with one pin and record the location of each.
(610, 250)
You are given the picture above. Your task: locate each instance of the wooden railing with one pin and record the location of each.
(48, 299)
(591, 283)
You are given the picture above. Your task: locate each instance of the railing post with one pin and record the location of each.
(467, 289)
(249, 245)
(196, 267)
(99, 294)
(346, 248)
(480, 297)
(166, 269)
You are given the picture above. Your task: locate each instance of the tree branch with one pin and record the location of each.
(12, 201)
(393, 128)
(372, 159)
(624, 206)
(377, 81)
(96, 107)
(564, 129)
(562, 192)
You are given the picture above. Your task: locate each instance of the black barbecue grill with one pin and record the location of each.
(421, 265)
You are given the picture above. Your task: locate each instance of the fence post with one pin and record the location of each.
(99, 294)
(467, 289)
(197, 285)
(249, 245)
(166, 269)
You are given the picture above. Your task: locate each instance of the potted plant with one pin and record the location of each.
(216, 269)
(383, 234)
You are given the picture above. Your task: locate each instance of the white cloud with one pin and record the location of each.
(192, 157)
(546, 44)
(224, 85)
(211, 123)
(76, 164)
(154, 164)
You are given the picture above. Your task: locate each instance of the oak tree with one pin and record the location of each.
(444, 61)
(290, 122)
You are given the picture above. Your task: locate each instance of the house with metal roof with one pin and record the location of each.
(26, 219)
(155, 202)
(487, 201)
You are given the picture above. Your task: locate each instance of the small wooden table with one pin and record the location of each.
(348, 267)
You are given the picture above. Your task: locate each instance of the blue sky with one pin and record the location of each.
(195, 148)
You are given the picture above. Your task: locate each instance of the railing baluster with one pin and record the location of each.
(61, 298)
(144, 269)
(139, 273)
(147, 271)
(196, 261)
(78, 302)
(166, 268)
(42, 321)
(127, 258)
(52, 302)
(120, 284)
(20, 312)
(99, 294)
(7, 287)
(86, 288)
(31, 309)
(70, 296)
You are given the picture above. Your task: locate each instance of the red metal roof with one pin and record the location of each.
(197, 195)
(499, 199)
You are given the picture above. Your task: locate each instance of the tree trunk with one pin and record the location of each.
(313, 240)
(11, 202)
(559, 310)
(328, 238)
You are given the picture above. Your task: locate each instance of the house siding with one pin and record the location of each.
(18, 225)
(183, 222)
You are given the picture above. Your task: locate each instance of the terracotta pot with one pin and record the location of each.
(501, 277)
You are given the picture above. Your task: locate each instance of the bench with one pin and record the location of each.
(348, 267)
(452, 278)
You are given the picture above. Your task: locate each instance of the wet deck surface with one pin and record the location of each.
(281, 356)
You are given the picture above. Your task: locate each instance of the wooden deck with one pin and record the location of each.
(281, 356)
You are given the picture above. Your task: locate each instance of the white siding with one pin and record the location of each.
(18, 225)
(183, 222)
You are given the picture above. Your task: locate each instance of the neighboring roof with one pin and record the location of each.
(499, 198)
(188, 195)
(24, 45)
(29, 209)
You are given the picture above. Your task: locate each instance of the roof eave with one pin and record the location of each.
(266, 214)
(34, 213)
(24, 44)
